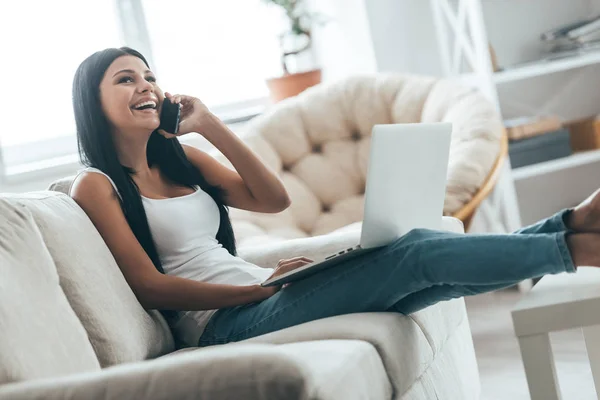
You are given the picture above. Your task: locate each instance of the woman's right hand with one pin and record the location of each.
(282, 267)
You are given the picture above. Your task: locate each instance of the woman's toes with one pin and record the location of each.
(586, 216)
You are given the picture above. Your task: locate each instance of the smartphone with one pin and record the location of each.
(169, 116)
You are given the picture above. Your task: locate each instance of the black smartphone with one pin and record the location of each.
(169, 116)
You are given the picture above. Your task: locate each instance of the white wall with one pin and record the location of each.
(514, 29)
(403, 36)
(404, 33)
(344, 45)
(404, 40)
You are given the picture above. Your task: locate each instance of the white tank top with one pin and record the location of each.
(184, 231)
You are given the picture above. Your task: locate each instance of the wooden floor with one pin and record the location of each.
(500, 367)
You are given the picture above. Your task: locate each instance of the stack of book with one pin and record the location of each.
(579, 35)
(536, 139)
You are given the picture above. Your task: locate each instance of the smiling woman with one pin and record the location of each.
(162, 208)
(130, 97)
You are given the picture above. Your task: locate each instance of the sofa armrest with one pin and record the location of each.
(315, 247)
(318, 247)
(240, 371)
(452, 224)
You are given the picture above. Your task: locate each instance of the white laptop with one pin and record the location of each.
(406, 186)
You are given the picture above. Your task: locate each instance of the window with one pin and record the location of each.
(218, 50)
(43, 42)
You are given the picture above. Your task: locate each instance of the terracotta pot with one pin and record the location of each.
(292, 84)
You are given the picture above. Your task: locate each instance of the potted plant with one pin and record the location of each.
(296, 40)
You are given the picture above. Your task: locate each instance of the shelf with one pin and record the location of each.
(574, 160)
(544, 67)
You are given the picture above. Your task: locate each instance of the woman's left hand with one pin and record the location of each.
(193, 113)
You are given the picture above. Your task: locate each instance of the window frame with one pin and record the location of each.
(41, 162)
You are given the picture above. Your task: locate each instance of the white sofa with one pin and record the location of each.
(73, 329)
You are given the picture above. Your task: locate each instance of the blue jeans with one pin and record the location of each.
(421, 268)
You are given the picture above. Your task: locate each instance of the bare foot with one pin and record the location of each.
(586, 216)
(584, 249)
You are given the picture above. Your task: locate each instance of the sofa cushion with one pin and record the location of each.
(119, 329)
(328, 369)
(341, 369)
(41, 335)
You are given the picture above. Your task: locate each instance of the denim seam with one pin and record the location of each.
(563, 252)
(508, 282)
(560, 219)
(561, 248)
(208, 329)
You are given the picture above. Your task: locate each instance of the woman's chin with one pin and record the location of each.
(150, 121)
(149, 126)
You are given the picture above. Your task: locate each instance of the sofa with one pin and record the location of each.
(72, 329)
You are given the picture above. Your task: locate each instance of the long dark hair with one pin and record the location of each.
(97, 149)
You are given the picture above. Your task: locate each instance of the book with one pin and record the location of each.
(585, 29)
(525, 127)
(533, 150)
(564, 29)
(588, 38)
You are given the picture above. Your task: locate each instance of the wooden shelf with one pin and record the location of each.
(574, 160)
(544, 67)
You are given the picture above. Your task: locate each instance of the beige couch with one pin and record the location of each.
(72, 329)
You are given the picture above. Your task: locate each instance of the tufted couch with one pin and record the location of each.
(319, 144)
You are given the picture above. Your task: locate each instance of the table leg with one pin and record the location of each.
(539, 367)
(592, 342)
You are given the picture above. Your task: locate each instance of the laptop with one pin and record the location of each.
(405, 189)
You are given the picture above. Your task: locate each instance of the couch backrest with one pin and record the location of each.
(40, 335)
(119, 329)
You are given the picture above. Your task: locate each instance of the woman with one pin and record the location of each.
(161, 208)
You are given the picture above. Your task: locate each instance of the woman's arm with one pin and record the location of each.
(96, 196)
(253, 186)
(257, 186)
(167, 292)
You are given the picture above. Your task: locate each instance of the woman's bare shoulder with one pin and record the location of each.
(89, 185)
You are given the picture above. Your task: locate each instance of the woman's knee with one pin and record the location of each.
(416, 237)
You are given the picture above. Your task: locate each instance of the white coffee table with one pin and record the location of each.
(557, 302)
